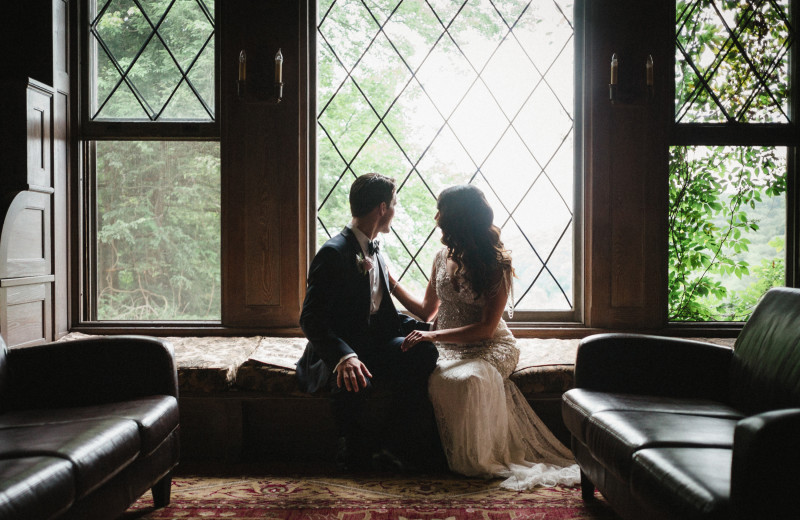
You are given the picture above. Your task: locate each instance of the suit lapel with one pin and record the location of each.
(361, 280)
(384, 274)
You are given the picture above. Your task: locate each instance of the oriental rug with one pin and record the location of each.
(365, 498)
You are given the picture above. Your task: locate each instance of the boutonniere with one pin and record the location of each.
(364, 264)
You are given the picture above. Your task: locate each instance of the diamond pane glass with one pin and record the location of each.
(158, 230)
(160, 52)
(436, 93)
(732, 61)
(727, 230)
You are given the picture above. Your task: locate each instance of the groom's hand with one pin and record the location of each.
(353, 374)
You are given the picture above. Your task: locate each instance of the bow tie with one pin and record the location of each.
(373, 247)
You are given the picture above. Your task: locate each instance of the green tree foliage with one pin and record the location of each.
(715, 201)
(158, 210)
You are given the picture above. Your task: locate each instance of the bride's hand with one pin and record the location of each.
(415, 337)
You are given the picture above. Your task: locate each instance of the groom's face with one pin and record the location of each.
(386, 219)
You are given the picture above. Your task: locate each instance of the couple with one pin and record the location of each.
(357, 339)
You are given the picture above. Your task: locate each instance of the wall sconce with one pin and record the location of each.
(625, 94)
(612, 85)
(241, 83)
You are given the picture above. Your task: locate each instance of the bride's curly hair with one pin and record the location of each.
(472, 239)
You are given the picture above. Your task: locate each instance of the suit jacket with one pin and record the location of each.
(336, 310)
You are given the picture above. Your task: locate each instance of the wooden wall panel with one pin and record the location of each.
(39, 112)
(25, 241)
(26, 269)
(626, 163)
(25, 315)
(263, 236)
(628, 209)
(61, 220)
(263, 165)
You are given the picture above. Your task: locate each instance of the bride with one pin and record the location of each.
(487, 427)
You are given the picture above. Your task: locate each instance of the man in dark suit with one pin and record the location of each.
(355, 332)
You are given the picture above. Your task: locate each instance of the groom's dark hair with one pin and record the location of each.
(368, 191)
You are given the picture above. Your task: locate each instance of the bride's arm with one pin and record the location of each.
(472, 333)
(424, 309)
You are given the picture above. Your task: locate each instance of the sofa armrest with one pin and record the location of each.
(653, 365)
(90, 371)
(766, 455)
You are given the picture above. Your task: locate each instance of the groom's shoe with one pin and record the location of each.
(345, 458)
(385, 460)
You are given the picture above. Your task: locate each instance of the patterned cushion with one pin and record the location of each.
(209, 364)
(270, 380)
(547, 379)
(205, 364)
(266, 364)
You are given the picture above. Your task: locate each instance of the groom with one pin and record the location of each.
(355, 332)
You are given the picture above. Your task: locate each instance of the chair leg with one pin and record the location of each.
(587, 487)
(161, 491)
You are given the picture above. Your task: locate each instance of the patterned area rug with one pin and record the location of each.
(365, 498)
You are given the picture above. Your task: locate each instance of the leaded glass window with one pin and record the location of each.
(732, 61)
(151, 152)
(728, 177)
(153, 60)
(436, 93)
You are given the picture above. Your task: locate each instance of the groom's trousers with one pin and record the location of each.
(404, 376)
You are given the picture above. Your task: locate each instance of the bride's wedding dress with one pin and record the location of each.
(487, 427)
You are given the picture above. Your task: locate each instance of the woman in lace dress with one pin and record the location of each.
(487, 427)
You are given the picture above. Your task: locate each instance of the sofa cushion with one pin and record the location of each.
(580, 403)
(98, 449)
(156, 417)
(765, 371)
(614, 436)
(688, 483)
(35, 487)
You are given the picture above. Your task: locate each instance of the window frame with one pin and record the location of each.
(85, 132)
(753, 134)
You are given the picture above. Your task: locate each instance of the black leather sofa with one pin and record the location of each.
(669, 428)
(86, 427)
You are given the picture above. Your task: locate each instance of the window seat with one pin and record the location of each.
(266, 364)
(236, 392)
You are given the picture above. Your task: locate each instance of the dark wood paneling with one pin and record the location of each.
(25, 239)
(628, 208)
(263, 237)
(26, 269)
(25, 317)
(263, 163)
(626, 163)
(60, 252)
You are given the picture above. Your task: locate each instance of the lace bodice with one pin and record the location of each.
(458, 307)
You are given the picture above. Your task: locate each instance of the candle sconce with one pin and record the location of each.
(277, 88)
(629, 94)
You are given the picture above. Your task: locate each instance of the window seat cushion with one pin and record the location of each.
(265, 364)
